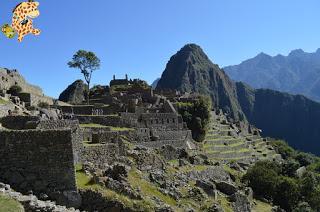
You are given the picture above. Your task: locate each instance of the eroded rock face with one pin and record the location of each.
(9, 78)
(75, 93)
(241, 202)
(226, 187)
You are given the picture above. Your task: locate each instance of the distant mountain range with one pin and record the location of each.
(280, 115)
(297, 73)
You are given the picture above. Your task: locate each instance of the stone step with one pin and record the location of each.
(215, 137)
(233, 147)
(222, 141)
(229, 154)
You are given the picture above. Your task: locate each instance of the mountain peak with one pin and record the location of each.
(191, 47)
(296, 52)
(263, 55)
(191, 70)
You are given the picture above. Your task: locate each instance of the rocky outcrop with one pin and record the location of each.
(190, 70)
(32, 203)
(75, 93)
(10, 78)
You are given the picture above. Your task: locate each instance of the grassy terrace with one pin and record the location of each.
(261, 207)
(110, 115)
(89, 144)
(230, 151)
(9, 205)
(136, 181)
(2, 101)
(209, 145)
(92, 125)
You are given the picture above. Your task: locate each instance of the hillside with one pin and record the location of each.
(190, 70)
(279, 115)
(297, 73)
(290, 117)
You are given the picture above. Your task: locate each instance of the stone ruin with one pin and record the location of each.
(39, 152)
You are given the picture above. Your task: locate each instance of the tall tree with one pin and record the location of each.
(87, 62)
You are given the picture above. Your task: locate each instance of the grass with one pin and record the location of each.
(190, 168)
(225, 204)
(2, 101)
(120, 128)
(238, 175)
(261, 207)
(85, 182)
(82, 179)
(109, 115)
(9, 205)
(222, 145)
(148, 189)
(89, 144)
(93, 125)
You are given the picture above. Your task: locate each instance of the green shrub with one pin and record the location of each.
(289, 167)
(305, 159)
(263, 178)
(197, 116)
(284, 149)
(43, 105)
(15, 90)
(287, 193)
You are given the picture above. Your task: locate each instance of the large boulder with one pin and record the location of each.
(226, 187)
(75, 93)
(241, 202)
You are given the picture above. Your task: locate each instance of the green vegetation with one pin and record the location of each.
(261, 207)
(15, 90)
(120, 128)
(43, 105)
(92, 125)
(2, 101)
(82, 179)
(225, 204)
(87, 62)
(9, 205)
(147, 188)
(197, 116)
(279, 182)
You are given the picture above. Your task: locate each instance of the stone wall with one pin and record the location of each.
(105, 135)
(115, 121)
(102, 154)
(171, 121)
(20, 122)
(172, 135)
(76, 133)
(38, 160)
(34, 100)
(58, 124)
(90, 110)
(161, 143)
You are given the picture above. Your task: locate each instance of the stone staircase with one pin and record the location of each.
(224, 143)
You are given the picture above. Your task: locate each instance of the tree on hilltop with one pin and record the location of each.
(87, 62)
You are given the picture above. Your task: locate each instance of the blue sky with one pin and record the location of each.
(139, 36)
